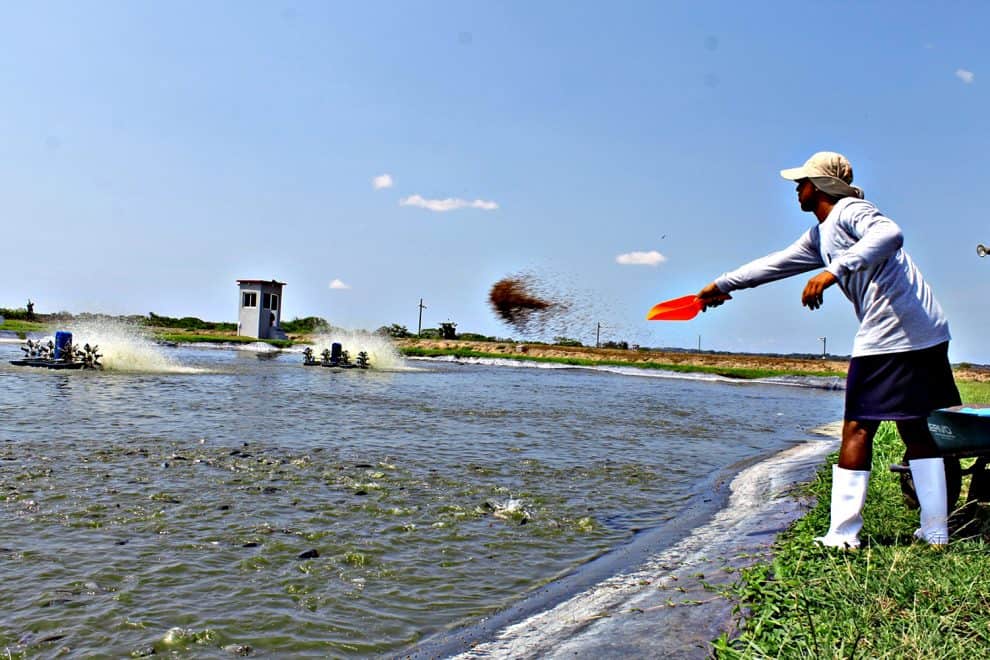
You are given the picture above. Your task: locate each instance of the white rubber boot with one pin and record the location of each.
(848, 498)
(929, 484)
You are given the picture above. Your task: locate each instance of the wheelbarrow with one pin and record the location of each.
(959, 432)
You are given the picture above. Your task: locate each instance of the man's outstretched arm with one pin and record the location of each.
(799, 257)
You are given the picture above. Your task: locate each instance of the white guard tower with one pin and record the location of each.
(260, 309)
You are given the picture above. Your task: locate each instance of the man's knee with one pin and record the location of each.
(856, 452)
(854, 430)
(917, 439)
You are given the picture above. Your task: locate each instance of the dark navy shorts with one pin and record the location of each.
(899, 386)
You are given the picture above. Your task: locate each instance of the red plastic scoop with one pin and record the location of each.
(684, 308)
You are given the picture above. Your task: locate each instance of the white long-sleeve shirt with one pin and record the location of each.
(896, 308)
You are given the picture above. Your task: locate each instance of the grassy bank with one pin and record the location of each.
(894, 598)
(21, 327)
(199, 338)
(732, 365)
(727, 371)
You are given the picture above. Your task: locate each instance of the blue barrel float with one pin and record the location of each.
(62, 339)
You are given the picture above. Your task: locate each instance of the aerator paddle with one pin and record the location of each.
(684, 308)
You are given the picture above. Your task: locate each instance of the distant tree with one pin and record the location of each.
(566, 341)
(448, 330)
(474, 336)
(624, 345)
(192, 323)
(185, 323)
(431, 333)
(307, 324)
(18, 314)
(395, 331)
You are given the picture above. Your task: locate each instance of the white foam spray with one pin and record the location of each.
(382, 354)
(125, 347)
(256, 347)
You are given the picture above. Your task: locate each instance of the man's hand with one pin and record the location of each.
(813, 290)
(712, 296)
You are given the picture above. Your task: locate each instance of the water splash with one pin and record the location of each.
(382, 354)
(257, 347)
(508, 509)
(125, 347)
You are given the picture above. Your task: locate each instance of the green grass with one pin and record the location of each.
(973, 392)
(21, 327)
(728, 372)
(188, 338)
(894, 598)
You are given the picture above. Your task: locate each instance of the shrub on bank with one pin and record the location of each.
(186, 338)
(474, 336)
(187, 323)
(395, 331)
(16, 314)
(308, 324)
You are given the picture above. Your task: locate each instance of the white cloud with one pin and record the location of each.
(965, 76)
(651, 258)
(383, 181)
(448, 204)
(337, 284)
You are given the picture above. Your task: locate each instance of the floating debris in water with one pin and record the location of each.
(510, 509)
(183, 638)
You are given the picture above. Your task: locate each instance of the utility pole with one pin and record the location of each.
(419, 329)
(823, 347)
(699, 343)
(598, 336)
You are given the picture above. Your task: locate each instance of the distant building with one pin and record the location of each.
(260, 309)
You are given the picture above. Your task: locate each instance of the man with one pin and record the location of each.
(900, 367)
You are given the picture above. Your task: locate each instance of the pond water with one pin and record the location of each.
(226, 500)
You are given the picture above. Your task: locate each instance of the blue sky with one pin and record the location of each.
(153, 153)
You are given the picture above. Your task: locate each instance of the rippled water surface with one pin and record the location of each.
(251, 503)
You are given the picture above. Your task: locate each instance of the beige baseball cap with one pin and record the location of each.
(830, 172)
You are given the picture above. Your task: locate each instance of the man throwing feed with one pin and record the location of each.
(900, 367)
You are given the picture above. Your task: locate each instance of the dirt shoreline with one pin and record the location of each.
(792, 365)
